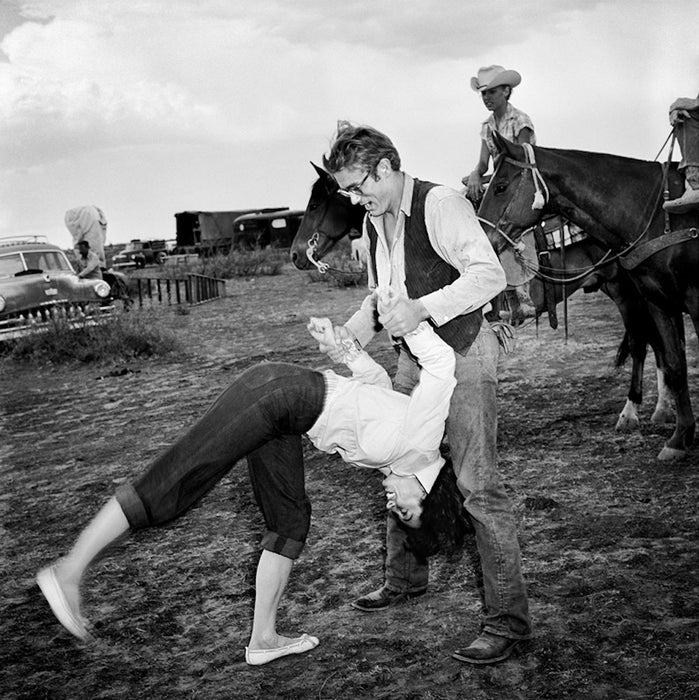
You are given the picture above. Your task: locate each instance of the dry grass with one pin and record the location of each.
(119, 336)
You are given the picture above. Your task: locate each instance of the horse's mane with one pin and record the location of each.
(607, 161)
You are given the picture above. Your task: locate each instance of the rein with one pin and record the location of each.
(541, 198)
(519, 246)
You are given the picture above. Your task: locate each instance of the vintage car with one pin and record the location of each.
(275, 229)
(138, 253)
(37, 282)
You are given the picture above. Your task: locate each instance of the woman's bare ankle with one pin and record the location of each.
(271, 641)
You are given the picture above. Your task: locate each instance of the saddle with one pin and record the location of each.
(553, 233)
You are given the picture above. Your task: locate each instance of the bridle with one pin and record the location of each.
(311, 245)
(541, 199)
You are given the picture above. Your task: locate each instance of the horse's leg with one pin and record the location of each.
(664, 411)
(638, 330)
(674, 361)
(628, 418)
(691, 301)
(515, 306)
(518, 311)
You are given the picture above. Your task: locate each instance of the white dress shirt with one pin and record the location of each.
(457, 237)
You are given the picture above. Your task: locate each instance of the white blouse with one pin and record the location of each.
(370, 425)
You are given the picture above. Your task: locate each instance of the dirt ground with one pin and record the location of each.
(610, 536)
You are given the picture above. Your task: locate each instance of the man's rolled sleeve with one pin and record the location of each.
(363, 324)
(458, 238)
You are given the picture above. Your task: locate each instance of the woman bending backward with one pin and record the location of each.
(262, 416)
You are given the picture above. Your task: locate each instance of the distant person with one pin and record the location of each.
(262, 416)
(495, 84)
(684, 117)
(88, 223)
(89, 267)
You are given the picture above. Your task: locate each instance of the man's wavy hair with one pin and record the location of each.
(360, 147)
(444, 522)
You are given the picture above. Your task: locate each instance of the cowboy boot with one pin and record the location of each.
(690, 199)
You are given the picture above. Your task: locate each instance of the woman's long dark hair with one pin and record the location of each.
(444, 520)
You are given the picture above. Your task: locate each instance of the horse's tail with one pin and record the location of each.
(623, 351)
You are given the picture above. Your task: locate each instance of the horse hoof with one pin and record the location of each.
(662, 417)
(668, 454)
(627, 425)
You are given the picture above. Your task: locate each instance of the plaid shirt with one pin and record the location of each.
(513, 122)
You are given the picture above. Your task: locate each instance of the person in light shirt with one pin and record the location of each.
(262, 415)
(88, 263)
(495, 85)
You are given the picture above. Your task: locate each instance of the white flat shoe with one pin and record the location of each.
(48, 583)
(257, 657)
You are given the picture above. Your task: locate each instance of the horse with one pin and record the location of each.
(617, 201)
(561, 273)
(330, 216)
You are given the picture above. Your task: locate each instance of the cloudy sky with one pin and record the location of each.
(150, 107)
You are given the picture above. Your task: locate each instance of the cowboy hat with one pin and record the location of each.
(492, 76)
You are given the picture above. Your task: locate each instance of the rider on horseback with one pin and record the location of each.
(684, 117)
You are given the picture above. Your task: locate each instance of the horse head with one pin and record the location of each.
(329, 217)
(516, 195)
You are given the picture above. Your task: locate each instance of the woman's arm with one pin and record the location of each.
(345, 350)
(428, 407)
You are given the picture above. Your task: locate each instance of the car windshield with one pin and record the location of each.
(12, 263)
(46, 260)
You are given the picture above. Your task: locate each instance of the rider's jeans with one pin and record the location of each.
(472, 435)
(687, 133)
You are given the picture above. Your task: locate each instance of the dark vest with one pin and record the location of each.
(426, 271)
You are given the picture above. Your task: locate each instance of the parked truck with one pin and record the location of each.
(209, 232)
(138, 253)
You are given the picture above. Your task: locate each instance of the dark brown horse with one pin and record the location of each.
(329, 217)
(618, 202)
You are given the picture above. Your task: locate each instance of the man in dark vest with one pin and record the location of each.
(425, 243)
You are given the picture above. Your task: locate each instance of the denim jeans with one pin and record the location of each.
(687, 133)
(261, 416)
(472, 435)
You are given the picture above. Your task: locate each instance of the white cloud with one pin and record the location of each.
(198, 101)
